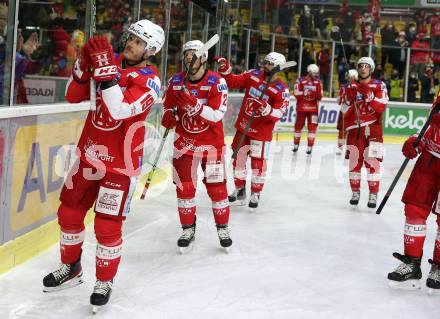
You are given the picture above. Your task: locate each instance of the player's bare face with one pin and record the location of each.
(364, 70)
(134, 49)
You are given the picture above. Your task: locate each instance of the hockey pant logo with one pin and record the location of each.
(215, 172)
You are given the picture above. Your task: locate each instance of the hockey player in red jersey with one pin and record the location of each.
(421, 197)
(308, 93)
(196, 109)
(364, 102)
(110, 149)
(267, 112)
(352, 75)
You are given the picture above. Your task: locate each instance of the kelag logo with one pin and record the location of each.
(404, 121)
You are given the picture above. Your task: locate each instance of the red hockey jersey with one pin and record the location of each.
(432, 136)
(308, 93)
(368, 112)
(277, 95)
(113, 135)
(199, 134)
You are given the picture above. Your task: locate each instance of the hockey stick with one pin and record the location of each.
(211, 42)
(275, 70)
(92, 30)
(405, 162)
(351, 87)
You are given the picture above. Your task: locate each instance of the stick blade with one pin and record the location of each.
(208, 45)
(288, 64)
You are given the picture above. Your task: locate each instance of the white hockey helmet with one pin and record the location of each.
(275, 58)
(149, 32)
(352, 74)
(367, 60)
(195, 45)
(313, 70)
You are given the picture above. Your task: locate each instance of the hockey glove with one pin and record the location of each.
(260, 107)
(350, 94)
(169, 120)
(189, 102)
(366, 92)
(81, 69)
(224, 67)
(408, 148)
(101, 55)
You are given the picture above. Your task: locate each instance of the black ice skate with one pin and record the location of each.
(238, 196)
(309, 150)
(253, 201)
(433, 280)
(372, 200)
(67, 276)
(407, 275)
(101, 294)
(355, 196)
(223, 236)
(295, 148)
(187, 237)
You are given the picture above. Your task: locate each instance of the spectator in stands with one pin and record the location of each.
(349, 25)
(367, 37)
(344, 8)
(399, 56)
(374, 10)
(320, 22)
(435, 29)
(420, 54)
(421, 21)
(411, 33)
(286, 15)
(24, 64)
(307, 59)
(396, 85)
(323, 62)
(413, 87)
(428, 83)
(305, 24)
(388, 34)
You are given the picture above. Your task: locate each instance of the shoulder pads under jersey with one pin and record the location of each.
(212, 79)
(177, 78)
(255, 72)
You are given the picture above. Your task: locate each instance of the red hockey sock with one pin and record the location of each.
(296, 137)
(355, 181)
(108, 250)
(107, 260)
(187, 210)
(72, 233)
(258, 174)
(436, 256)
(220, 210)
(311, 139)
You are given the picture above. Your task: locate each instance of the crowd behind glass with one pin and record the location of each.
(405, 44)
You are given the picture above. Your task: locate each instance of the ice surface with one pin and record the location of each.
(304, 254)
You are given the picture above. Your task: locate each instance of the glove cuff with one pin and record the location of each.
(108, 72)
(79, 75)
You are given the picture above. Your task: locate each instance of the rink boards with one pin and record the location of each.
(35, 157)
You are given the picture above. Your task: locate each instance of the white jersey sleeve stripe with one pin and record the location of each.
(208, 113)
